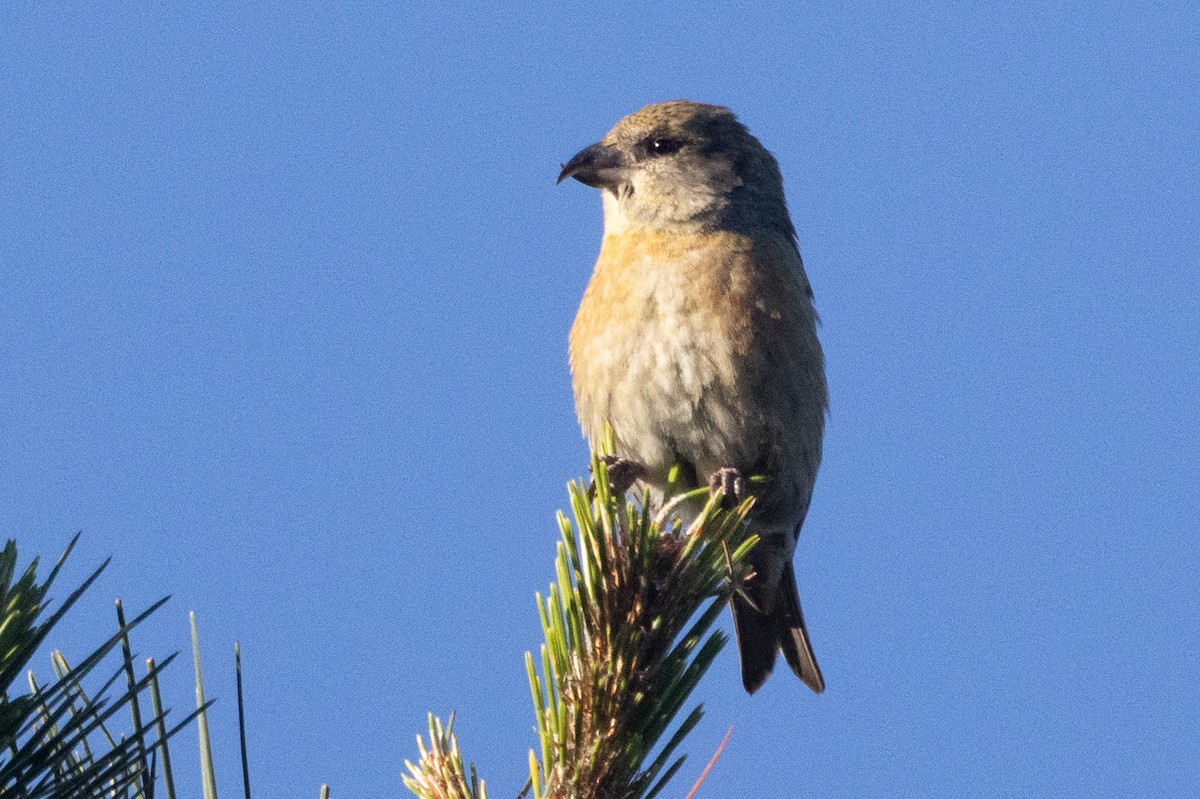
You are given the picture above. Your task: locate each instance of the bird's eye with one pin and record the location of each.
(660, 146)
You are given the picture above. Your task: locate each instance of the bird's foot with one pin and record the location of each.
(730, 484)
(622, 473)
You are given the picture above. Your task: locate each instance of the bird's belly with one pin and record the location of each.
(672, 389)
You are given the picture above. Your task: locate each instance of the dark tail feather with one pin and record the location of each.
(793, 637)
(760, 637)
(757, 640)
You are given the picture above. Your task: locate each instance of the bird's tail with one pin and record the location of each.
(793, 635)
(760, 636)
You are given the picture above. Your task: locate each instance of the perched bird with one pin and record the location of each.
(696, 340)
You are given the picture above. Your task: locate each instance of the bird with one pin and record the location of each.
(696, 340)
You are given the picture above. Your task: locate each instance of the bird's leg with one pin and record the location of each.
(729, 483)
(622, 473)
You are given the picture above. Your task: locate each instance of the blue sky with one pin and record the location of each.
(285, 294)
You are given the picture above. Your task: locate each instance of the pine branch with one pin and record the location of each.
(628, 628)
(59, 740)
(45, 733)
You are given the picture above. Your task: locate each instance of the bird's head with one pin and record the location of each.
(681, 166)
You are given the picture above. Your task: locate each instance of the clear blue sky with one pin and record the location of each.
(284, 298)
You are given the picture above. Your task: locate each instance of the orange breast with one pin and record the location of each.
(701, 346)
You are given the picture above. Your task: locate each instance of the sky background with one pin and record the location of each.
(284, 301)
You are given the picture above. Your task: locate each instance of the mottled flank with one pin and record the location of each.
(696, 339)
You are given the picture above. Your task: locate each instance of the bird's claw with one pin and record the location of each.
(622, 472)
(729, 483)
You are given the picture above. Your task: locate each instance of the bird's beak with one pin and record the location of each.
(598, 166)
